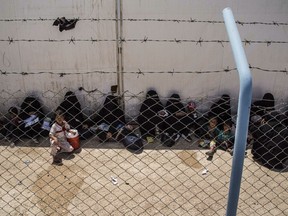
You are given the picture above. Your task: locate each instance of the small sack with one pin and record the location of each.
(133, 143)
(31, 120)
(104, 127)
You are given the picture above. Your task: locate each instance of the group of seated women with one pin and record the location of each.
(213, 130)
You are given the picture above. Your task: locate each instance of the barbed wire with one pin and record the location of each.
(140, 72)
(190, 20)
(199, 41)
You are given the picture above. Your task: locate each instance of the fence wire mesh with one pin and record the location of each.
(167, 160)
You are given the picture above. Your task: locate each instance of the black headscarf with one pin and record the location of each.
(174, 104)
(261, 107)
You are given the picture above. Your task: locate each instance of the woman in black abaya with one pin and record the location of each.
(148, 118)
(174, 124)
(110, 118)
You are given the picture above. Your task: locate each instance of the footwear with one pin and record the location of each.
(35, 140)
(187, 137)
(176, 137)
(212, 151)
(164, 137)
(230, 151)
(57, 162)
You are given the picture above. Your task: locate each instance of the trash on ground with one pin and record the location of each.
(114, 180)
(205, 171)
(27, 162)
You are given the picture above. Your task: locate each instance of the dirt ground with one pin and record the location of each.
(106, 179)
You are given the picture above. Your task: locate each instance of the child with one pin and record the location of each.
(212, 132)
(58, 138)
(224, 140)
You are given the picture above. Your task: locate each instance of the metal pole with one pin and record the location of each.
(119, 46)
(245, 95)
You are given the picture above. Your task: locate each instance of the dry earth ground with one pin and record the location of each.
(158, 181)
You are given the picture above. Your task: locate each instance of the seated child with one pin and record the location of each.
(212, 132)
(224, 140)
(58, 138)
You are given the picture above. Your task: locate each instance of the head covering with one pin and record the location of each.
(261, 107)
(174, 104)
(268, 101)
(151, 105)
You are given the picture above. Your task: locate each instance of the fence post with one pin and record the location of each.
(245, 95)
(119, 47)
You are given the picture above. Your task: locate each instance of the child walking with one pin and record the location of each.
(58, 138)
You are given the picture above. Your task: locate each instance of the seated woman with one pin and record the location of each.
(31, 117)
(173, 126)
(109, 119)
(13, 131)
(9, 126)
(270, 145)
(148, 118)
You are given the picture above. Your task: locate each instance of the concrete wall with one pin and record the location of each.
(150, 56)
(57, 57)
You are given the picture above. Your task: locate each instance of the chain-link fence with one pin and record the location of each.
(173, 158)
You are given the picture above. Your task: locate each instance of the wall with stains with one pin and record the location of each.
(49, 59)
(152, 57)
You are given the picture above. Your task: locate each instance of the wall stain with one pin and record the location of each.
(56, 187)
(190, 159)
